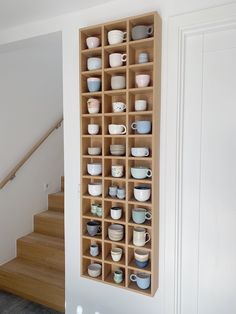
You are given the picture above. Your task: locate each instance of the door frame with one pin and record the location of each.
(179, 28)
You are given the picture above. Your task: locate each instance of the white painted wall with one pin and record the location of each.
(94, 296)
(30, 103)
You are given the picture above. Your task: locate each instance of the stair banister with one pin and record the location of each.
(11, 175)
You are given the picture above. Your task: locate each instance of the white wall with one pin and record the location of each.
(30, 103)
(94, 296)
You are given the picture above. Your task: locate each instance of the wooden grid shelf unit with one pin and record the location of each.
(106, 95)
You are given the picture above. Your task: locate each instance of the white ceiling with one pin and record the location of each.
(17, 12)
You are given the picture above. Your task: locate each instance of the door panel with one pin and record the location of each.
(208, 248)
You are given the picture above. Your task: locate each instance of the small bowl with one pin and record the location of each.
(95, 189)
(94, 151)
(94, 270)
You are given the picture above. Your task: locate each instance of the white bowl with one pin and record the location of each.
(94, 270)
(94, 169)
(95, 189)
(94, 151)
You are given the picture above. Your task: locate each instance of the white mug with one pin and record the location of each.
(117, 129)
(93, 129)
(117, 59)
(140, 236)
(118, 106)
(140, 105)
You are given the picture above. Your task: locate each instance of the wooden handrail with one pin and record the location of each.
(11, 175)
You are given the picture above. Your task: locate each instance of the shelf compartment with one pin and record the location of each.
(86, 249)
(91, 120)
(110, 98)
(114, 203)
(85, 232)
(109, 271)
(119, 25)
(90, 32)
(115, 182)
(84, 106)
(148, 245)
(86, 209)
(111, 140)
(86, 262)
(119, 120)
(107, 253)
(137, 71)
(140, 95)
(84, 86)
(91, 141)
(107, 79)
(131, 261)
(108, 168)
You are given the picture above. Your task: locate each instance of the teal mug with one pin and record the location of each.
(118, 276)
(140, 215)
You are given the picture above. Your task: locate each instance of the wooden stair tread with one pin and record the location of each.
(44, 240)
(23, 268)
(56, 201)
(51, 214)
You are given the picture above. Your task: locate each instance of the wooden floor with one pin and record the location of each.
(37, 273)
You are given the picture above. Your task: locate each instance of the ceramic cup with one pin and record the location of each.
(142, 127)
(116, 254)
(118, 276)
(140, 105)
(95, 189)
(112, 190)
(141, 172)
(117, 171)
(92, 42)
(93, 129)
(93, 84)
(94, 169)
(117, 59)
(143, 280)
(94, 63)
(143, 57)
(142, 80)
(116, 232)
(140, 151)
(140, 215)
(118, 106)
(141, 255)
(142, 193)
(118, 82)
(120, 193)
(99, 211)
(94, 228)
(94, 270)
(93, 105)
(94, 151)
(94, 250)
(94, 209)
(117, 129)
(116, 212)
(140, 236)
(116, 37)
(141, 32)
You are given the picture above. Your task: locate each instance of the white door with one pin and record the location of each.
(206, 171)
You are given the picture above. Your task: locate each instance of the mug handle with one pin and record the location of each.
(99, 231)
(124, 106)
(125, 130)
(149, 173)
(150, 30)
(134, 126)
(133, 277)
(125, 36)
(148, 237)
(124, 57)
(148, 216)
(147, 153)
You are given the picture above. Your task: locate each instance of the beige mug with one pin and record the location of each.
(140, 236)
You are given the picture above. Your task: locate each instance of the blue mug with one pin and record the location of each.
(142, 127)
(142, 280)
(94, 84)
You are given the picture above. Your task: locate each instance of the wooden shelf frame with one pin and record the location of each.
(152, 94)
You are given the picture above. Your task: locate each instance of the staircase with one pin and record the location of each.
(37, 273)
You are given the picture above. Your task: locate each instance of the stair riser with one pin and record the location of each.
(56, 202)
(50, 257)
(33, 290)
(49, 226)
